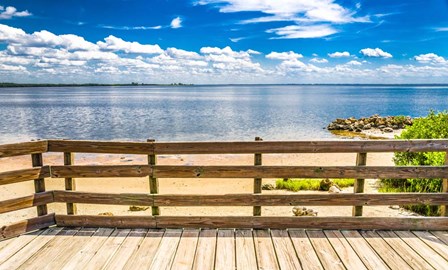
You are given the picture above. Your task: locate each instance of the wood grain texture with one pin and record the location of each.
(266, 256)
(104, 198)
(345, 252)
(304, 249)
(286, 254)
(144, 255)
(361, 160)
(205, 252)
(245, 255)
(164, 257)
(435, 243)
(444, 208)
(70, 183)
(153, 182)
(186, 250)
(25, 148)
(105, 221)
(327, 256)
(100, 147)
(26, 202)
(18, 176)
(27, 225)
(225, 250)
(39, 183)
(258, 160)
(100, 171)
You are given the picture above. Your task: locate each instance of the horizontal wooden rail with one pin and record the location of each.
(250, 171)
(26, 202)
(26, 148)
(27, 225)
(347, 199)
(262, 147)
(331, 223)
(24, 175)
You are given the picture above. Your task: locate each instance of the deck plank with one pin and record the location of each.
(345, 252)
(305, 250)
(4, 243)
(423, 250)
(185, 251)
(225, 250)
(442, 235)
(245, 255)
(264, 249)
(205, 253)
(388, 254)
(85, 254)
(286, 254)
(13, 245)
(435, 243)
(166, 252)
(50, 250)
(142, 258)
(405, 252)
(328, 257)
(126, 249)
(108, 249)
(364, 251)
(18, 258)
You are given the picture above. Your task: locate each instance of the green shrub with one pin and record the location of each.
(433, 126)
(309, 184)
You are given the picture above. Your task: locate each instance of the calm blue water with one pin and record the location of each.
(201, 112)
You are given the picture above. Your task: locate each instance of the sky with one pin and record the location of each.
(224, 41)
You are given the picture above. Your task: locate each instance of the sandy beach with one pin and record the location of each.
(185, 186)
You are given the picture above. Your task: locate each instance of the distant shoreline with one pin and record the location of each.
(7, 84)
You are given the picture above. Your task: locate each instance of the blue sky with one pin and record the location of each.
(224, 41)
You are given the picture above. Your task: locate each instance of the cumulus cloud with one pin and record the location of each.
(354, 63)
(339, 54)
(375, 53)
(430, 58)
(117, 44)
(296, 31)
(319, 60)
(9, 12)
(284, 55)
(176, 23)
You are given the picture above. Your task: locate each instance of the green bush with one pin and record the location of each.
(433, 126)
(309, 184)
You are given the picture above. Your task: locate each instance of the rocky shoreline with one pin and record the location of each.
(387, 124)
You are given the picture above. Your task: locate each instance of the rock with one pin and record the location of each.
(334, 189)
(368, 126)
(267, 187)
(388, 130)
(395, 207)
(325, 184)
(105, 214)
(134, 208)
(303, 211)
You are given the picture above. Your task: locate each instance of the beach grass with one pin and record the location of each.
(310, 184)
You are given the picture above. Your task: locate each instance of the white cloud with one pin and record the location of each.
(319, 60)
(176, 23)
(9, 12)
(339, 54)
(284, 55)
(354, 63)
(178, 53)
(430, 58)
(117, 44)
(441, 29)
(296, 31)
(375, 53)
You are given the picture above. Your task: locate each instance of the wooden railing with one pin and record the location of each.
(152, 198)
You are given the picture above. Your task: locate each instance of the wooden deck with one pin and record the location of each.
(105, 248)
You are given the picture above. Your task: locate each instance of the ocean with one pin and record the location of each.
(201, 113)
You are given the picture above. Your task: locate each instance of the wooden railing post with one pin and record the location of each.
(257, 181)
(153, 182)
(39, 184)
(444, 208)
(361, 160)
(70, 183)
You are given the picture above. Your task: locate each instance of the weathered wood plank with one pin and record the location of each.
(361, 160)
(407, 253)
(324, 250)
(265, 147)
(435, 243)
(153, 182)
(427, 253)
(100, 147)
(441, 235)
(250, 199)
(166, 251)
(332, 223)
(15, 245)
(387, 253)
(345, 252)
(264, 250)
(144, 255)
(70, 183)
(107, 250)
(245, 257)
(126, 249)
(257, 181)
(105, 221)
(100, 171)
(26, 148)
(24, 175)
(39, 183)
(26, 202)
(305, 250)
(205, 251)
(18, 256)
(444, 208)
(185, 251)
(225, 250)
(27, 225)
(286, 255)
(365, 252)
(396, 172)
(80, 259)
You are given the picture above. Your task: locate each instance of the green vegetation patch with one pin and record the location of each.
(433, 126)
(310, 184)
